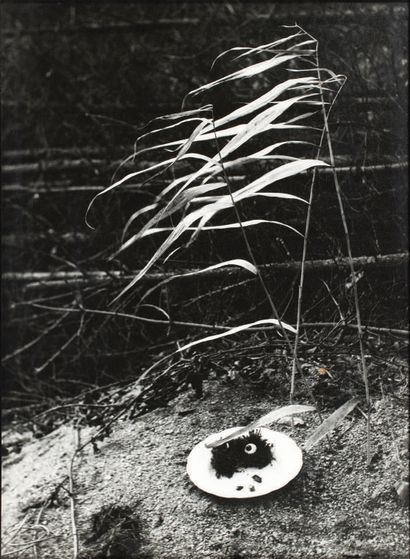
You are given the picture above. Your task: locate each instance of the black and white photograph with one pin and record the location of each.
(205, 335)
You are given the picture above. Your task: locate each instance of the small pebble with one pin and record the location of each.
(186, 411)
(158, 521)
(402, 490)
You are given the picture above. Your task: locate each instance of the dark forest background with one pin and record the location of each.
(80, 81)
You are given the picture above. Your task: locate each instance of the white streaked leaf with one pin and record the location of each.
(195, 134)
(174, 205)
(161, 130)
(257, 125)
(248, 71)
(214, 164)
(204, 137)
(183, 114)
(236, 329)
(235, 262)
(166, 163)
(282, 195)
(268, 97)
(284, 171)
(252, 50)
(259, 155)
(235, 225)
(134, 216)
(174, 235)
(276, 44)
(204, 214)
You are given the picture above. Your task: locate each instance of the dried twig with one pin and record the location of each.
(98, 28)
(366, 328)
(95, 276)
(76, 406)
(60, 350)
(33, 342)
(148, 320)
(14, 531)
(23, 546)
(72, 494)
(38, 525)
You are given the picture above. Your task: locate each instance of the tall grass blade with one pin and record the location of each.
(241, 263)
(236, 329)
(236, 225)
(247, 72)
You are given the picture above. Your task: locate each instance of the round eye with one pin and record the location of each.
(250, 448)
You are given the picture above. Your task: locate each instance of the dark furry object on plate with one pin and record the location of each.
(249, 451)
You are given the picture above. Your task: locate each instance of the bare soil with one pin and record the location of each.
(133, 498)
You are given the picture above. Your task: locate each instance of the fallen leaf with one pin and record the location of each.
(331, 423)
(291, 421)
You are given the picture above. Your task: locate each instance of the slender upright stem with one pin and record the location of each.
(349, 253)
(304, 251)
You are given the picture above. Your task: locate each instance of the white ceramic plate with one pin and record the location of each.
(285, 466)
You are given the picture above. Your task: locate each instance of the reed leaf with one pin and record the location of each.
(251, 50)
(240, 262)
(130, 176)
(331, 423)
(236, 329)
(235, 225)
(247, 72)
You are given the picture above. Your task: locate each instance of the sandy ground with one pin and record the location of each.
(133, 499)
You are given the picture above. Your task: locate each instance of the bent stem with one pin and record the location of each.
(74, 528)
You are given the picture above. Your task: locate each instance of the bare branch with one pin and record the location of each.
(73, 277)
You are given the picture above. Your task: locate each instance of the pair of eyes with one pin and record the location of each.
(250, 448)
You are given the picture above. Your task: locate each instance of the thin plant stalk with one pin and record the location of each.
(350, 257)
(74, 528)
(303, 260)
